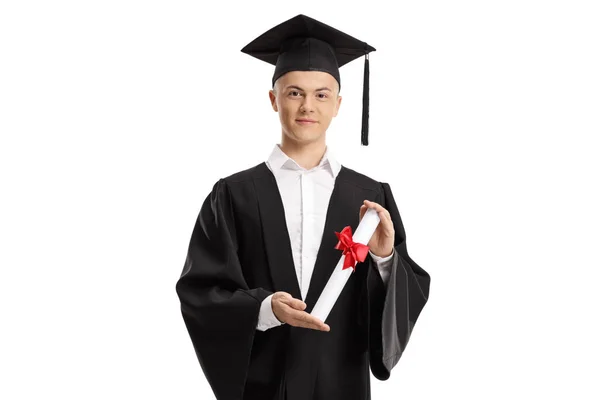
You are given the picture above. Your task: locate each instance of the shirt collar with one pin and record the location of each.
(279, 160)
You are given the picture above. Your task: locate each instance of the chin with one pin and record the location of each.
(302, 137)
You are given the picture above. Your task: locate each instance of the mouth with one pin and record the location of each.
(305, 121)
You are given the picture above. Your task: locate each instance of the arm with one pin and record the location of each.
(393, 309)
(383, 265)
(220, 311)
(266, 317)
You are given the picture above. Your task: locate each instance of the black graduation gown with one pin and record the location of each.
(240, 253)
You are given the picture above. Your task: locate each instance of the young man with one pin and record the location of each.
(264, 245)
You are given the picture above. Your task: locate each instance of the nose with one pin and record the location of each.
(307, 105)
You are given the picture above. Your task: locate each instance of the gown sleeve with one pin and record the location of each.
(220, 311)
(393, 309)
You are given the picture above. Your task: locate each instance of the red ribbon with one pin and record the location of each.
(353, 251)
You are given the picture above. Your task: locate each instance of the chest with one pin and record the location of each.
(263, 229)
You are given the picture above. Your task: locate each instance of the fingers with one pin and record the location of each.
(287, 299)
(291, 311)
(376, 206)
(294, 303)
(305, 320)
(384, 215)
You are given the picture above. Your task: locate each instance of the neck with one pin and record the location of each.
(307, 155)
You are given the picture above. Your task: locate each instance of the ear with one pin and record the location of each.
(273, 99)
(337, 105)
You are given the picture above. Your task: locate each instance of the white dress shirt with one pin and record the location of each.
(305, 197)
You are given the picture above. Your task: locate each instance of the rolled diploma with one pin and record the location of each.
(340, 276)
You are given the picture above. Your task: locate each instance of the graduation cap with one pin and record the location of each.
(305, 44)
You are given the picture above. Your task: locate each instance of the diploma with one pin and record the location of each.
(340, 276)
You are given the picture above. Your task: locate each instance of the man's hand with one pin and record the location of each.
(382, 241)
(291, 311)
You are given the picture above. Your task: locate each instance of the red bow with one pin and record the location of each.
(353, 251)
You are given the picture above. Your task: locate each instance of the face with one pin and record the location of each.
(306, 102)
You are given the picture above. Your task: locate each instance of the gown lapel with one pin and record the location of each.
(275, 233)
(277, 240)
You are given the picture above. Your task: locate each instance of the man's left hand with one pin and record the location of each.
(382, 241)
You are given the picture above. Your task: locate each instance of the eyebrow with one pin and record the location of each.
(299, 88)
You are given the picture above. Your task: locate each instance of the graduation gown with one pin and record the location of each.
(240, 253)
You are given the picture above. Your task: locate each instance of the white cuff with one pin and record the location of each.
(266, 317)
(383, 265)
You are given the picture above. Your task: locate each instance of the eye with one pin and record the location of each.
(324, 96)
(292, 93)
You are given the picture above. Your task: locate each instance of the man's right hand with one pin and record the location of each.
(291, 311)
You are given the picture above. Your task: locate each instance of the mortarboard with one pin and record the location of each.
(305, 44)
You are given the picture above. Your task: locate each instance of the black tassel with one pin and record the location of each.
(364, 136)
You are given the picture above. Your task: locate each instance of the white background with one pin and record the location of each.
(117, 117)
